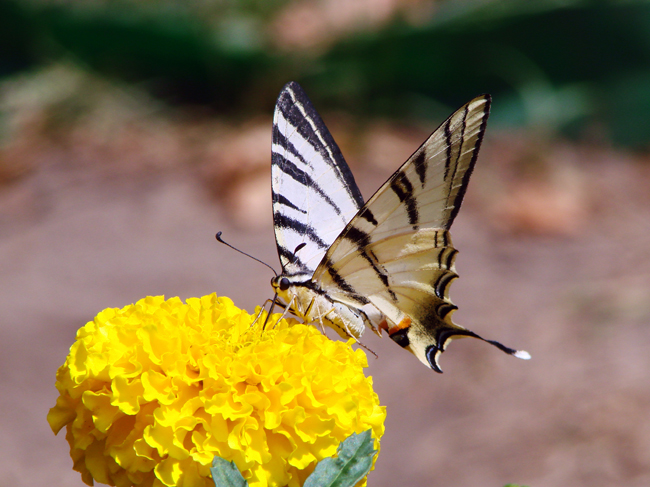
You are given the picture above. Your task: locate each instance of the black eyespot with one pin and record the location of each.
(284, 284)
(401, 338)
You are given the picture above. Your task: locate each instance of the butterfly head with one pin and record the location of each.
(280, 284)
(291, 289)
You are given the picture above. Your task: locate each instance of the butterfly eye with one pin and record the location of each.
(284, 284)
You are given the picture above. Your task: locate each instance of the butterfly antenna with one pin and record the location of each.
(242, 252)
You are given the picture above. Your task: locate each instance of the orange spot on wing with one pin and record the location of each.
(383, 325)
(402, 325)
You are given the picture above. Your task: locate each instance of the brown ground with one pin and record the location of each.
(555, 259)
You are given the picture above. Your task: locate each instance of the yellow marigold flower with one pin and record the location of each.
(150, 393)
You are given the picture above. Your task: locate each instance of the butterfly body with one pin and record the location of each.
(386, 264)
(304, 301)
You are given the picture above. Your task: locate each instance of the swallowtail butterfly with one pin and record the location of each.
(388, 263)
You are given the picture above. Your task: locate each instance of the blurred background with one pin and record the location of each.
(131, 132)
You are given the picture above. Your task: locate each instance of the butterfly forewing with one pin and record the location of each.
(425, 192)
(314, 192)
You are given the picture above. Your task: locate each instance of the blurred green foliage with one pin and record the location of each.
(578, 67)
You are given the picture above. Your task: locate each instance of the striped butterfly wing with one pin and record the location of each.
(314, 192)
(396, 253)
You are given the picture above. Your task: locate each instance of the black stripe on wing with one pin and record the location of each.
(280, 199)
(421, 167)
(362, 240)
(459, 154)
(448, 140)
(367, 215)
(287, 146)
(283, 221)
(458, 199)
(303, 178)
(343, 284)
(295, 106)
(441, 286)
(294, 260)
(403, 188)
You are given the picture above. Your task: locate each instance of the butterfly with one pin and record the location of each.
(387, 263)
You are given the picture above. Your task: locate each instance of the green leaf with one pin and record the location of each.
(352, 463)
(226, 474)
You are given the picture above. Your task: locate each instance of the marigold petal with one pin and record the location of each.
(61, 414)
(127, 394)
(168, 472)
(157, 387)
(103, 412)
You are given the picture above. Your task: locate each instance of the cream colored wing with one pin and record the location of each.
(396, 253)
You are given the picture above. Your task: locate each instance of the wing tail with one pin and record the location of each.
(420, 321)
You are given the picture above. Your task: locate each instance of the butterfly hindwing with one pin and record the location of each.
(314, 192)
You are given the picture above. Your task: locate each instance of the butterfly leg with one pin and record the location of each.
(319, 314)
(314, 314)
(286, 310)
(262, 309)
